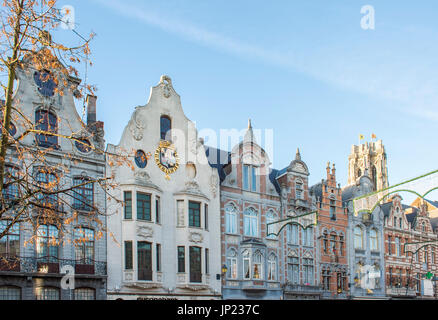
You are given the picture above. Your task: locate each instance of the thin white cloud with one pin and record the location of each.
(413, 88)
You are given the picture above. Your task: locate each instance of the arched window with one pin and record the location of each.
(165, 127)
(250, 223)
(246, 265)
(358, 238)
(272, 267)
(10, 293)
(257, 271)
(85, 294)
(44, 81)
(423, 227)
(47, 243)
(272, 230)
(84, 245)
(232, 264)
(230, 219)
(374, 173)
(48, 122)
(374, 240)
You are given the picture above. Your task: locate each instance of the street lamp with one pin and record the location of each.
(224, 270)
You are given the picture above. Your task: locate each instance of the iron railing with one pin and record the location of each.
(51, 264)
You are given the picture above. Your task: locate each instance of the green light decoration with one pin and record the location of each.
(306, 220)
(429, 275)
(367, 203)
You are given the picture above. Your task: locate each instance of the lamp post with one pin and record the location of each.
(224, 272)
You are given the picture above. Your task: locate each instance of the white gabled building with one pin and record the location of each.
(165, 240)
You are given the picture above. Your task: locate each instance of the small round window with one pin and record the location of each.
(83, 145)
(140, 159)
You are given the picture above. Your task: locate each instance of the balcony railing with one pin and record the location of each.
(302, 288)
(51, 265)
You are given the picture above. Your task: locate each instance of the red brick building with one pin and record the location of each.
(333, 223)
(397, 232)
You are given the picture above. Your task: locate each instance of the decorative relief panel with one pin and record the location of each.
(145, 231)
(196, 237)
(180, 213)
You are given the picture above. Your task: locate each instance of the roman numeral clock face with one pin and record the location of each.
(167, 158)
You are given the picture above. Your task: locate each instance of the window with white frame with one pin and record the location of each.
(308, 270)
(374, 245)
(272, 267)
(257, 266)
(293, 270)
(246, 265)
(397, 246)
(230, 219)
(272, 230)
(249, 177)
(292, 234)
(250, 223)
(232, 264)
(358, 238)
(308, 237)
(299, 190)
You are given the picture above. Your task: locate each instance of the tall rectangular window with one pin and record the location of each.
(181, 259)
(84, 245)
(308, 270)
(158, 254)
(10, 242)
(194, 214)
(157, 210)
(207, 265)
(389, 245)
(332, 210)
(128, 255)
(253, 179)
(143, 206)
(127, 198)
(195, 264)
(206, 216)
(245, 177)
(144, 257)
(82, 194)
(293, 270)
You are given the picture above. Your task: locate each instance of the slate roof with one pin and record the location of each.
(347, 194)
(218, 159)
(434, 203)
(434, 222)
(386, 208)
(317, 191)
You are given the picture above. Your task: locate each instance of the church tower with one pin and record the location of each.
(370, 156)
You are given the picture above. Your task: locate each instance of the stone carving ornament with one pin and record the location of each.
(145, 231)
(136, 126)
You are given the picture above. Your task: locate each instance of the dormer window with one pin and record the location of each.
(299, 190)
(165, 127)
(249, 177)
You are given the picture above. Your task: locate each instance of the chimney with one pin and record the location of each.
(91, 109)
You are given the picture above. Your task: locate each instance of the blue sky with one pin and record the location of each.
(303, 68)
